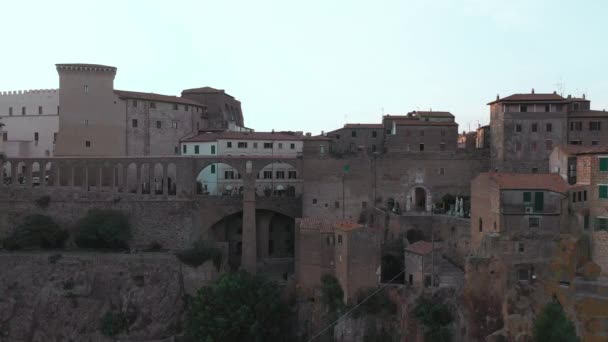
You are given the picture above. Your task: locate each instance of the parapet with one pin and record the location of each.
(28, 92)
(85, 67)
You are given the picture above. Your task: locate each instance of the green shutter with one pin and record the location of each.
(212, 168)
(527, 197)
(603, 191)
(603, 164)
(212, 149)
(539, 201)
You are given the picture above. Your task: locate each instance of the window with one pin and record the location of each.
(212, 149)
(22, 110)
(229, 174)
(228, 144)
(292, 174)
(268, 145)
(212, 168)
(135, 103)
(314, 201)
(388, 131)
(442, 146)
(549, 144)
(522, 274)
(267, 174)
(594, 142)
(10, 111)
(86, 89)
(421, 133)
(255, 145)
(35, 136)
(441, 171)
(421, 147)
(527, 198)
(549, 127)
(186, 108)
(373, 148)
(321, 149)
(534, 222)
(595, 126)
(196, 149)
(575, 142)
(292, 146)
(517, 146)
(152, 104)
(176, 151)
(601, 223)
(580, 196)
(54, 138)
(374, 134)
(523, 108)
(574, 197)
(39, 110)
(87, 143)
(185, 149)
(585, 195)
(534, 170)
(337, 204)
(547, 108)
(280, 175)
(339, 239)
(603, 191)
(337, 136)
(533, 146)
(175, 106)
(534, 127)
(174, 124)
(242, 144)
(133, 123)
(281, 145)
(4, 136)
(539, 199)
(520, 247)
(353, 134)
(518, 128)
(364, 205)
(576, 126)
(586, 221)
(480, 225)
(603, 164)
(159, 124)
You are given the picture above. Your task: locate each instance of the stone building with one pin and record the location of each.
(420, 132)
(526, 127)
(353, 138)
(516, 217)
(223, 110)
(421, 265)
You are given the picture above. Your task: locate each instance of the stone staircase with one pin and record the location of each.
(450, 275)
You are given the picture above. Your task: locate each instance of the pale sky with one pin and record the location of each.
(310, 65)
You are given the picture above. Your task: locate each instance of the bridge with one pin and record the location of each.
(167, 178)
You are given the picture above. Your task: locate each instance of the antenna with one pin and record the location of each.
(560, 87)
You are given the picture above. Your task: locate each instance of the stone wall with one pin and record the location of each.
(63, 297)
(599, 251)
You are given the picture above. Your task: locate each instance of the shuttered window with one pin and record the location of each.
(527, 197)
(603, 191)
(603, 164)
(539, 201)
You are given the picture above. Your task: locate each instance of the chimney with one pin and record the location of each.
(272, 131)
(569, 96)
(322, 133)
(308, 134)
(554, 92)
(532, 90)
(497, 97)
(583, 96)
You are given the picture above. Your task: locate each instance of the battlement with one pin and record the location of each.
(28, 92)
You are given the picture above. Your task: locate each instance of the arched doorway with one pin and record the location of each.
(419, 199)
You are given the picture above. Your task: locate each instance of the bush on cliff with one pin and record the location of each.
(552, 324)
(103, 228)
(36, 231)
(435, 317)
(201, 252)
(332, 294)
(238, 307)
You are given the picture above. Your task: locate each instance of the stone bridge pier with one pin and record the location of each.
(249, 257)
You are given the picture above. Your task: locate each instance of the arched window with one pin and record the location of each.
(480, 225)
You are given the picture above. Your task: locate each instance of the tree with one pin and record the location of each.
(103, 228)
(238, 307)
(37, 231)
(552, 324)
(435, 317)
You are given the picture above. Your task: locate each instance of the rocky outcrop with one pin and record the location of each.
(64, 297)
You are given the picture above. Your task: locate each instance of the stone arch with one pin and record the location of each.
(419, 198)
(132, 181)
(119, 177)
(171, 179)
(48, 177)
(145, 177)
(278, 178)
(158, 179)
(219, 179)
(6, 172)
(21, 170)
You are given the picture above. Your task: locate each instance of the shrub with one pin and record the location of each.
(239, 307)
(200, 252)
(435, 317)
(36, 231)
(113, 323)
(103, 228)
(552, 324)
(377, 304)
(331, 293)
(43, 201)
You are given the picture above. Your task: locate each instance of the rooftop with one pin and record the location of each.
(410, 122)
(432, 113)
(531, 97)
(578, 149)
(156, 97)
(213, 136)
(363, 125)
(528, 181)
(589, 113)
(84, 66)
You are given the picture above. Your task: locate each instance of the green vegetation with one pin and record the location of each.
(552, 324)
(113, 323)
(36, 231)
(331, 293)
(103, 228)
(238, 307)
(200, 252)
(435, 317)
(378, 304)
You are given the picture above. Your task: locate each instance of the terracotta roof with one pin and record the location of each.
(362, 125)
(213, 136)
(578, 149)
(347, 225)
(528, 181)
(531, 97)
(589, 113)
(420, 247)
(156, 97)
(433, 113)
(313, 223)
(424, 123)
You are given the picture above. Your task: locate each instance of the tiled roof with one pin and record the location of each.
(213, 136)
(433, 113)
(531, 97)
(362, 125)
(322, 225)
(589, 113)
(420, 247)
(318, 137)
(424, 123)
(528, 181)
(577, 149)
(203, 90)
(347, 225)
(156, 97)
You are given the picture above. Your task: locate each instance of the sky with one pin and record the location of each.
(314, 65)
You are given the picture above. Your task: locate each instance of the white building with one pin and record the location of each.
(222, 179)
(31, 120)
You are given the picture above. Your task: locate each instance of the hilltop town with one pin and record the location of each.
(494, 222)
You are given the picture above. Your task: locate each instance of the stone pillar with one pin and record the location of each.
(429, 201)
(125, 183)
(85, 183)
(1, 173)
(30, 174)
(263, 234)
(114, 178)
(43, 175)
(248, 257)
(165, 179)
(57, 179)
(71, 180)
(138, 178)
(99, 178)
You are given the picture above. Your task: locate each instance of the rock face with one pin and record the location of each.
(64, 297)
